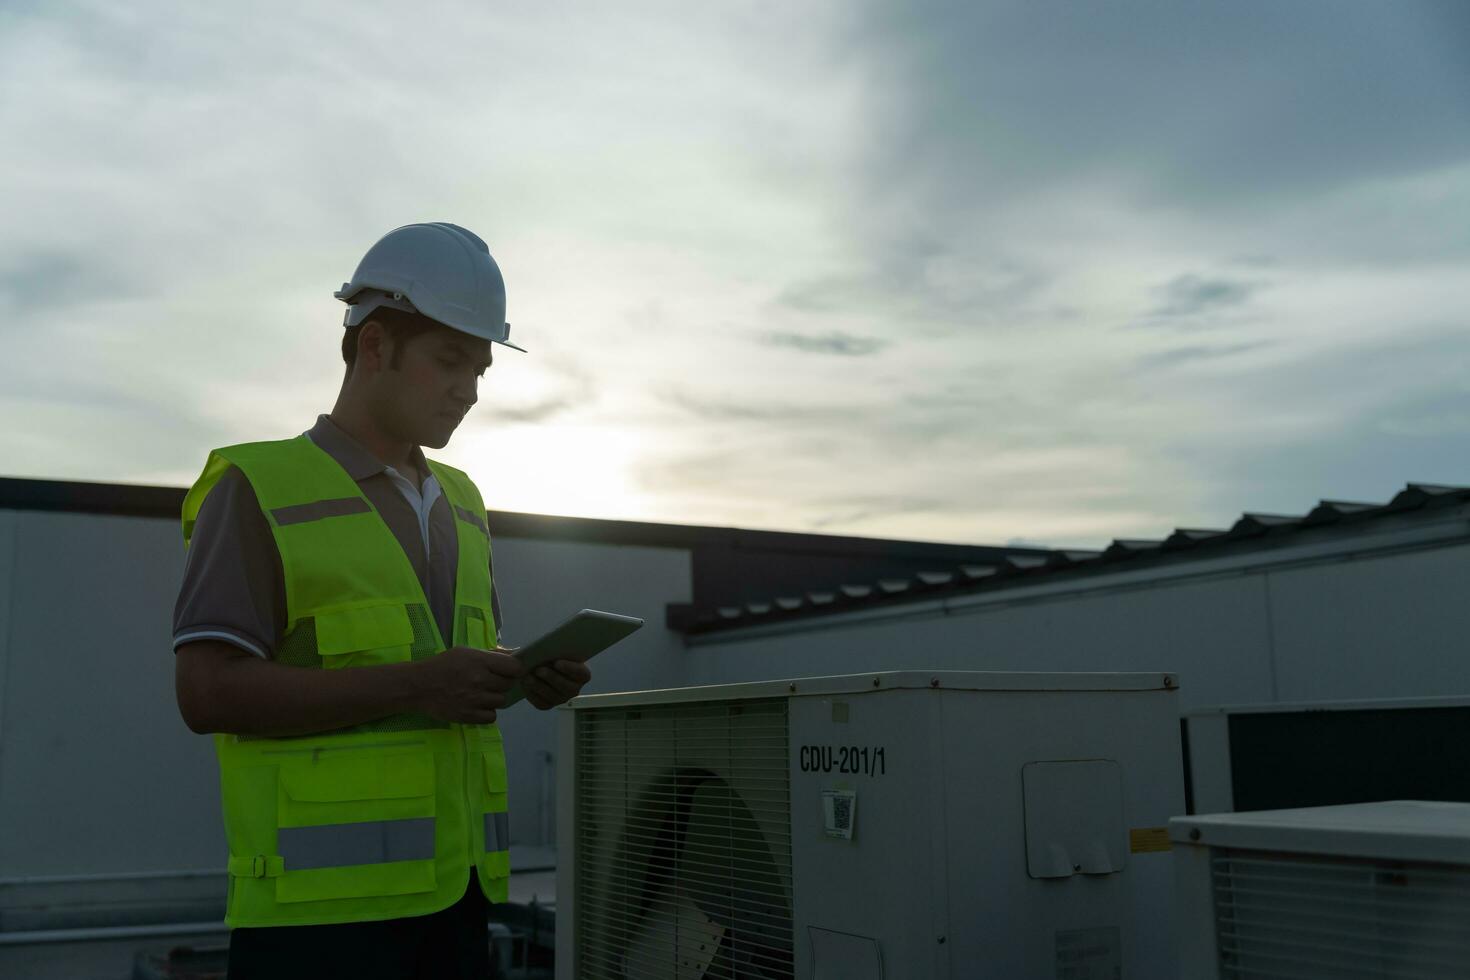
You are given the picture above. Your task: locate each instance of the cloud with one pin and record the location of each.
(536, 411)
(1210, 104)
(43, 282)
(854, 512)
(714, 409)
(1136, 140)
(1188, 295)
(1175, 356)
(842, 344)
(539, 390)
(921, 283)
(1335, 423)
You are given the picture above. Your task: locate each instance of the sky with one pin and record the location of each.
(1030, 272)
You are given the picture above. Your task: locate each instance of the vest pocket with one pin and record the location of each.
(364, 636)
(356, 827)
(492, 763)
(477, 629)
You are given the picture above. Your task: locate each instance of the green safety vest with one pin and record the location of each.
(383, 819)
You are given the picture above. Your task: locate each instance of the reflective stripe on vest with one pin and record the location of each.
(478, 520)
(319, 510)
(369, 842)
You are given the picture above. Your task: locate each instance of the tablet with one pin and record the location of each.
(580, 638)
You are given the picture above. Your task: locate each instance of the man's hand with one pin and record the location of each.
(555, 683)
(466, 685)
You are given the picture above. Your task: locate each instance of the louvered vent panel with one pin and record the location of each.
(683, 842)
(1293, 916)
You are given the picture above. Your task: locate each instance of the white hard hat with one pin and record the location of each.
(440, 270)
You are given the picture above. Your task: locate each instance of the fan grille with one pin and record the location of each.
(1291, 915)
(683, 837)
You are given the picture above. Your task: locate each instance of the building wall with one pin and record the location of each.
(1398, 626)
(1386, 625)
(1214, 634)
(94, 753)
(99, 775)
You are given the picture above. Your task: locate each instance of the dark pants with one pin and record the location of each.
(453, 944)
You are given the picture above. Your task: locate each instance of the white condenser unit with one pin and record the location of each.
(1378, 890)
(892, 825)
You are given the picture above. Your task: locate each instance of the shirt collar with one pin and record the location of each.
(349, 453)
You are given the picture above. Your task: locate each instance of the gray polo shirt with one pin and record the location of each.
(233, 588)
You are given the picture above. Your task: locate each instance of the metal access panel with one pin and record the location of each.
(1323, 753)
(895, 825)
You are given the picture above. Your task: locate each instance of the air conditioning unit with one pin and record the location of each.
(891, 825)
(1320, 753)
(1377, 890)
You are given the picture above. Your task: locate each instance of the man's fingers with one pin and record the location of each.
(539, 693)
(496, 683)
(554, 681)
(573, 670)
(503, 664)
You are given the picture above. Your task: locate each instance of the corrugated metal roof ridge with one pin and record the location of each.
(826, 601)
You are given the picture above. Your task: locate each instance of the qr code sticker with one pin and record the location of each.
(839, 812)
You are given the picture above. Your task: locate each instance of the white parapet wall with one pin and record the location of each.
(109, 807)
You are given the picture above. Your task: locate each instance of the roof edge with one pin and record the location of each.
(1250, 537)
(139, 500)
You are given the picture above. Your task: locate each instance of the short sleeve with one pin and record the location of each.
(233, 588)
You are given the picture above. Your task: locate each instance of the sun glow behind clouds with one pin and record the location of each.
(577, 470)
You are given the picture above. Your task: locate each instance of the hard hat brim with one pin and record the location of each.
(362, 303)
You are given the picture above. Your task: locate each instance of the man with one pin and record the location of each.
(337, 631)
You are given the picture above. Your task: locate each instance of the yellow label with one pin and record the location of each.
(1145, 840)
